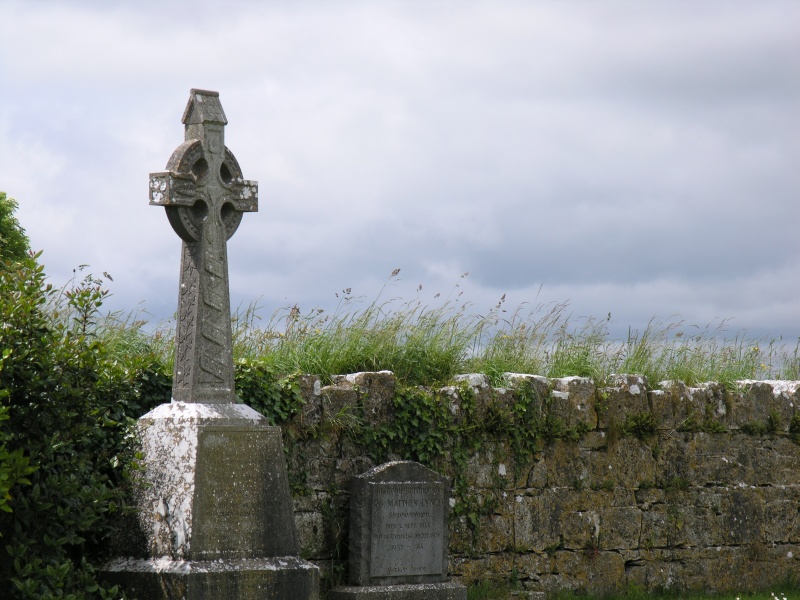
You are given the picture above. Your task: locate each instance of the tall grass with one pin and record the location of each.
(426, 344)
(419, 343)
(429, 344)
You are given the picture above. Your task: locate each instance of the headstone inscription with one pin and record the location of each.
(214, 508)
(399, 535)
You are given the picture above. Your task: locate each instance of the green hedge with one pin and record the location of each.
(66, 445)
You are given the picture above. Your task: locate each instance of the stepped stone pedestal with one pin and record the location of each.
(215, 511)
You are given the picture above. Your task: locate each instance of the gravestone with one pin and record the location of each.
(399, 535)
(214, 506)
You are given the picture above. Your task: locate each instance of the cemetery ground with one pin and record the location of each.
(492, 591)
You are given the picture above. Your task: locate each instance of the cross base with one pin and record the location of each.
(277, 578)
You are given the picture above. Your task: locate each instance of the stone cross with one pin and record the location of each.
(204, 195)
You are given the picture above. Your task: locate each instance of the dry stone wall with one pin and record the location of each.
(675, 487)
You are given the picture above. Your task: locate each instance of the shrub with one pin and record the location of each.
(13, 241)
(65, 443)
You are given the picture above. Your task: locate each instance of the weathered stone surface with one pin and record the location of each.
(212, 487)
(375, 392)
(311, 389)
(282, 578)
(627, 395)
(311, 533)
(600, 572)
(499, 566)
(483, 396)
(398, 531)
(625, 463)
(566, 466)
(204, 195)
(336, 399)
(490, 466)
(662, 515)
(544, 521)
(573, 401)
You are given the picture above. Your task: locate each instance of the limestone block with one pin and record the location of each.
(489, 466)
(648, 496)
(620, 528)
(537, 389)
(652, 571)
(580, 529)
(781, 515)
(744, 516)
(626, 463)
(712, 459)
(627, 395)
(540, 386)
(679, 405)
(310, 502)
(786, 400)
(471, 570)
(319, 472)
(758, 397)
(663, 408)
(573, 401)
(337, 399)
(566, 465)
(594, 440)
(311, 535)
(531, 566)
(672, 460)
(451, 394)
(766, 398)
(310, 388)
(348, 467)
(537, 474)
(498, 408)
(483, 394)
(496, 533)
(462, 538)
(768, 460)
(537, 521)
(376, 394)
(663, 526)
(602, 572)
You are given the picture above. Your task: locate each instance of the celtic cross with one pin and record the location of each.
(204, 195)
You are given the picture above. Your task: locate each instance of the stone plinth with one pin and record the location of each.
(215, 509)
(399, 535)
(255, 578)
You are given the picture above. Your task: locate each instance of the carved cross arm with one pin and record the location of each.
(169, 188)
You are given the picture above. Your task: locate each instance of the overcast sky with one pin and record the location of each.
(634, 158)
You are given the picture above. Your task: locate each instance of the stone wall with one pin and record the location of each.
(687, 487)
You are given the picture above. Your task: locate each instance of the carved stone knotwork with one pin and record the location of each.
(204, 194)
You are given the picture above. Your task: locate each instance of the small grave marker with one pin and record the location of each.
(399, 535)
